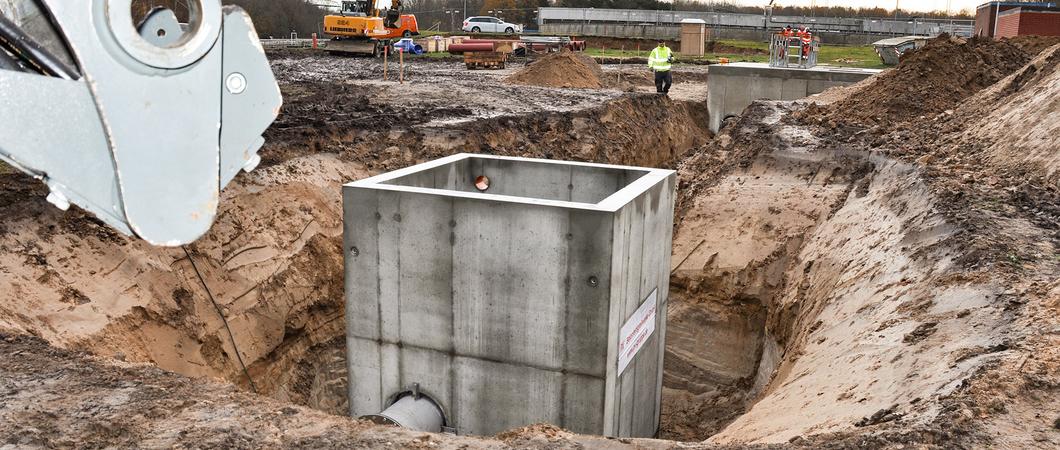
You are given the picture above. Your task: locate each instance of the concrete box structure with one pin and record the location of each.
(693, 37)
(732, 87)
(541, 299)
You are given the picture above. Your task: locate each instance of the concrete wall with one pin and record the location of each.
(1024, 21)
(484, 299)
(986, 15)
(882, 25)
(672, 32)
(732, 87)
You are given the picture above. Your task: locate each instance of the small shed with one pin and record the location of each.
(693, 37)
(891, 49)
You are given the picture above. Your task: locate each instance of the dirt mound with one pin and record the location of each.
(562, 70)
(1017, 119)
(1033, 45)
(95, 402)
(538, 435)
(930, 80)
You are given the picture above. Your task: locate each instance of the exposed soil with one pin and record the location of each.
(835, 283)
(56, 398)
(272, 261)
(930, 80)
(1033, 45)
(561, 70)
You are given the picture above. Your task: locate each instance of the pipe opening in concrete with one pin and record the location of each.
(412, 410)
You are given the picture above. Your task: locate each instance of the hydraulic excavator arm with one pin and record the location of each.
(141, 124)
(393, 14)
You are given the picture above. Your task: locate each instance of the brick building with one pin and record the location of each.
(1001, 19)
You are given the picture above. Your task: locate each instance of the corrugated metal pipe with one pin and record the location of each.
(414, 411)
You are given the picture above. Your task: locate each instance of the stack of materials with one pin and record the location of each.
(484, 53)
(434, 44)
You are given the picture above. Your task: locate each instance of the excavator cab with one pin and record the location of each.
(356, 8)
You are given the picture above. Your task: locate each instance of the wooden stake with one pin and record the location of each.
(386, 51)
(401, 70)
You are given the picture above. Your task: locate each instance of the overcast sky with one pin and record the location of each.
(915, 5)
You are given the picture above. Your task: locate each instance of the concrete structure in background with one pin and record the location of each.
(986, 15)
(693, 37)
(540, 299)
(665, 24)
(732, 87)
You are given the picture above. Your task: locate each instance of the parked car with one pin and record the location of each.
(485, 24)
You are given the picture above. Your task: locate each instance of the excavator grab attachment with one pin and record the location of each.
(140, 124)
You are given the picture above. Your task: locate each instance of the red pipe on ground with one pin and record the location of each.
(457, 49)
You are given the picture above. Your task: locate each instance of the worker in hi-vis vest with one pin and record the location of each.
(659, 61)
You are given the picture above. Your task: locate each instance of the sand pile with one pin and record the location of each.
(1016, 120)
(562, 70)
(930, 80)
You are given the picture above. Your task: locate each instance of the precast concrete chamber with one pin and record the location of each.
(495, 292)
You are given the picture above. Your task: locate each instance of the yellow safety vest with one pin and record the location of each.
(659, 59)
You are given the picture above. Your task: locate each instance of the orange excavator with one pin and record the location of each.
(362, 27)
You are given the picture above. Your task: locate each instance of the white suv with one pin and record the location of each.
(484, 24)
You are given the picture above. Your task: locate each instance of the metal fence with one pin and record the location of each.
(637, 17)
(790, 51)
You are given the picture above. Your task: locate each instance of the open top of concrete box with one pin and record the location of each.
(578, 185)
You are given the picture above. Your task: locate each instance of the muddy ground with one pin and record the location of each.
(835, 283)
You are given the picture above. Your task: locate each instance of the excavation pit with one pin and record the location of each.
(537, 299)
